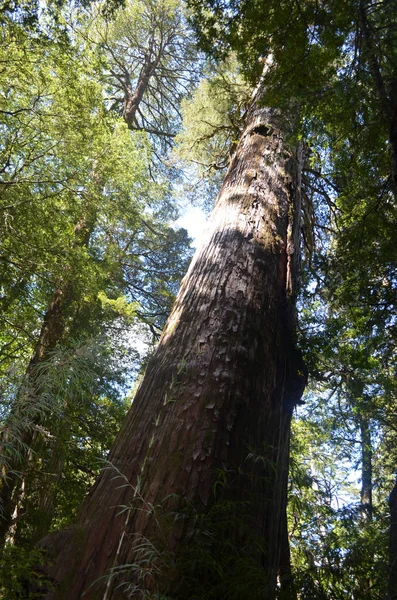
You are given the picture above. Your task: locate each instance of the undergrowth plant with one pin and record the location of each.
(221, 558)
(20, 575)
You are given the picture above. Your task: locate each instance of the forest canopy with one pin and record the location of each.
(232, 484)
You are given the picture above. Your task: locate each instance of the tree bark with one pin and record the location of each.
(133, 98)
(364, 582)
(217, 396)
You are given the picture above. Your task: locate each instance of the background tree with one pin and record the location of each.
(151, 65)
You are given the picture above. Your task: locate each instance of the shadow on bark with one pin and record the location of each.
(217, 396)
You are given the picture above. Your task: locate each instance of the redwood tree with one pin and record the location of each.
(216, 399)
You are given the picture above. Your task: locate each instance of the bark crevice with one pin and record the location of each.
(217, 396)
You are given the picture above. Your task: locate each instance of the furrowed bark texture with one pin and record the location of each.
(219, 392)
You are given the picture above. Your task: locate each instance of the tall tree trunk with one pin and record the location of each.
(364, 582)
(366, 469)
(134, 97)
(217, 397)
(286, 579)
(392, 583)
(27, 411)
(387, 97)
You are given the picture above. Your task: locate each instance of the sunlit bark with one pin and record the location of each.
(218, 395)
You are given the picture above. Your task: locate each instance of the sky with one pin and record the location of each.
(194, 220)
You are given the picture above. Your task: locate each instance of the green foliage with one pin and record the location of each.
(213, 118)
(18, 566)
(85, 412)
(85, 224)
(334, 551)
(64, 160)
(79, 205)
(155, 36)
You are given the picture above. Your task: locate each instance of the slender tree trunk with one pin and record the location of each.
(46, 503)
(286, 579)
(366, 469)
(217, 397)
(387, 97)
(365, 584)
(18, 436)
(392, 583)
